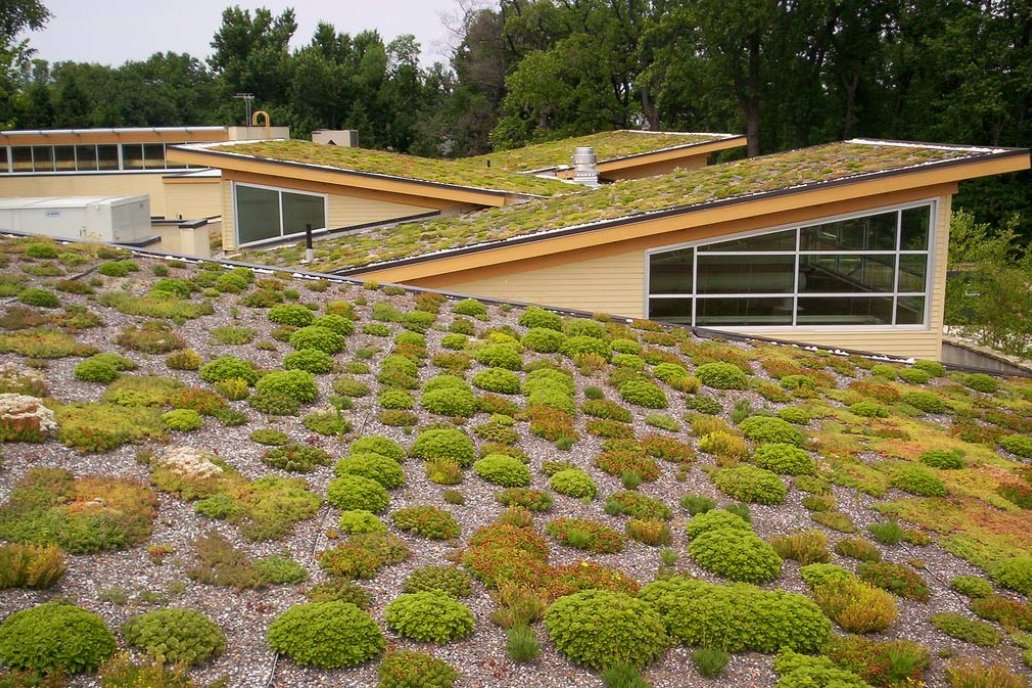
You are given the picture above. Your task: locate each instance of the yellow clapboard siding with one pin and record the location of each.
(89, 185)
(193, 201)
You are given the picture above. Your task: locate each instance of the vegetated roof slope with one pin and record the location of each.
(396, 165)
(175, 460)
(686, 189)
(608, 145)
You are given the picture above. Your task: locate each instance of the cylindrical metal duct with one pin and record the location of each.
(585, 167)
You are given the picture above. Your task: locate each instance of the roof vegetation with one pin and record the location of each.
(608, 145)
(523, 499)
(685, 189)
(461, 173)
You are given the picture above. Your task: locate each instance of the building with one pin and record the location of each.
(840, 245)
(272, 190)
(124, 162)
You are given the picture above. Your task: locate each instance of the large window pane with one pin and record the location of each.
(154, 156)
(64, 158)
(87, 158)
(743, 311)
(845, 310)
(869, 233)
(772, 241)
(301, 211)
(845, 273)
(910, 310)
(132, 156)
(912, 269)
(43, 158)
(22, 158)
(3, 159)
(107, 157)
(671, 310)
(257, 214)
(914, 230)
(671, 272)
(746, 274)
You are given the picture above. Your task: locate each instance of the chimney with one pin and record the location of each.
(585, 169)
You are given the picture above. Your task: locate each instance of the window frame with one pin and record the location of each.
(280, 191)
(930, 269)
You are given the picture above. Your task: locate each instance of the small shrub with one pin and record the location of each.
(526, 498)
(597, 628)
(961, 627)
(363, 554)
(942, 459)
(750, 484)
(586, 534)
(651, 531)
(807, 547)
(785, 459)
(427, 521)
(360, 521)
(297, 385)
(382, 469)
(429, 616)
(1014, 573)
(858, 548)
(55, 637)
(1019, 445)
(737, 554)
(926, 401)
(918, 481)
(770, 429)
(229, 368)
(413, 669)
(896, 578)
(356, 492)
(310, 360)
(446, 443)
(697, 504)
(326, 635)
(447, 579)
(971, 586)
(543, 340)
(643, 393)
(636, 505)
(339, 590)
(40, 298)
(573, 483)
(721, 376)
(175, 636)
(291, 314)
(709, 661)
(869, 409)
(443, 472)
(723, 443)
(182, 420)
(30, 566)
(971, 672)
(856, 606)
(886, 532)
(154, 337)
(301, 458)
(453, 401)
(503, 470)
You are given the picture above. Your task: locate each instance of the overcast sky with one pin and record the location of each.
(114, 31)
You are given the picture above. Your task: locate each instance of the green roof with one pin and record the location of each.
(459, 173)
(608, 145)
(795, 170)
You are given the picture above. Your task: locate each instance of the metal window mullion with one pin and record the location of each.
(121, 158)
(695, 281)
(280, 193)
(795, 285)
(895, 275)
(10, 159)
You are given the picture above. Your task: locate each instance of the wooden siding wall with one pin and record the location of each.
(612, 284)
(193, 201)
(615, 284)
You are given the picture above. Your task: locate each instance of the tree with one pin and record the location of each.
(16, 16)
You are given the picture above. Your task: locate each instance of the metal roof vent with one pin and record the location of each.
(585, 167)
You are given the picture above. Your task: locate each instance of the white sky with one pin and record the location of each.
(114, 31)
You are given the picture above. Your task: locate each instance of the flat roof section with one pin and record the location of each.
(610, 146)
(43, 202)
(684, 191)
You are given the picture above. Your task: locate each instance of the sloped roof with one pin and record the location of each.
(609, 146)
(364, 161)
(681, 191)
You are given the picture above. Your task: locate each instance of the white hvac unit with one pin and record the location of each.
(114, 219)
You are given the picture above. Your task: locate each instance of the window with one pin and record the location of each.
(107, 157)
(154, 156)
(64, 158)
(132, 156)
(263, 213)
(870, 270)
(86, 158)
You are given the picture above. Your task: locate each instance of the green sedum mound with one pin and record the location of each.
(431, 616)
(502, 470)
(382, 469)
(573, 482)
(784, 459)
(413, 669)
(350, 492)
(598, 628)
(721, 376)
(803, 671)
(55, 637)
(175, 636)
(326, 635)
(748, 483)
(736, 554)
(771, 429)
(737, 617)
(445, 443)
